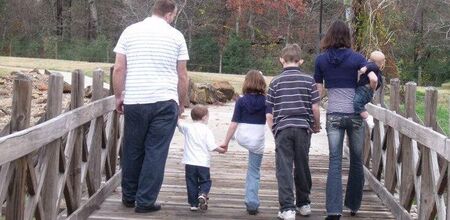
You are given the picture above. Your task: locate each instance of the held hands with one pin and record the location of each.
(221, 150)
(316, 128)
(224, 147)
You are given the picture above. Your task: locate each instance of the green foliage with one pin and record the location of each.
(99, 50)
(236, 55)
(204, 54)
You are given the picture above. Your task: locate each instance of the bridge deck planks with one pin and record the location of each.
(227, 192)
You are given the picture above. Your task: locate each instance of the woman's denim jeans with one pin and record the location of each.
(252, 181)
(336, 127)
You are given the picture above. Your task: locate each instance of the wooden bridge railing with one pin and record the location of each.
(63, 167)
(406, 160)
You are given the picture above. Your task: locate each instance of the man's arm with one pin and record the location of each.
(182, 84)
(120, 70)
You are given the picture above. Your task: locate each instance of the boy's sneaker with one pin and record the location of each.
(304, 210)
(252, 212)
(203, 202)
(287, 215)
(193, 208)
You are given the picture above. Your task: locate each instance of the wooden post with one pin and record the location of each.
(49, 191)
(391, 151)
(94, 167)
(427, 209)
(54, 108)
(20, 119)
(407, 191)
(115, 128)
(448, 176)
(77, 100)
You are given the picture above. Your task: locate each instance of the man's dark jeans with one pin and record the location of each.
(292, 148)
(198, 181)
(149, 128)
(363, 95)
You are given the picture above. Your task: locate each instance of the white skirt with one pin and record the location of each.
(251, 137)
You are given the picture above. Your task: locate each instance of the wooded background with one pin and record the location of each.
(232, 36)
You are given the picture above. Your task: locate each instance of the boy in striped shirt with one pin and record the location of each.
(294, 100)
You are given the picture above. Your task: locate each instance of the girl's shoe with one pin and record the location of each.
(193, 208)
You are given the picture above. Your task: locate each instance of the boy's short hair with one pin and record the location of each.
(162, 7)
(198, 112)
(254, 83)
(291, 53)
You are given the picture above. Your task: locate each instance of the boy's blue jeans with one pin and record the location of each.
(198, 181)
(252, 181)
(292, 149)
(336, 127)
(149, 128)
(363, 95)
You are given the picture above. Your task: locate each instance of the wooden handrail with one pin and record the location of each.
(424, 135)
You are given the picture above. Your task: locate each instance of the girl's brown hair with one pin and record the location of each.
(254, 83)
(337, 36)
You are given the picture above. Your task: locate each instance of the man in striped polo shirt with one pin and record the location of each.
(294, 99)
(150, 84)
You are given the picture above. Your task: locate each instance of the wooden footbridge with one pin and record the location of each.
(68, 165)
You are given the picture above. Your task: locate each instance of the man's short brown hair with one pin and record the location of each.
(198, 112)
(162, 7)
(254, 83)
(291, 53)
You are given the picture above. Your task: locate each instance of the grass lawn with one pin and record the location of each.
(88, 67)
(443, 110)
(51, 64)
(4, 71)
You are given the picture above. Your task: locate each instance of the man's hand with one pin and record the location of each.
(119, 104)
(180, 110)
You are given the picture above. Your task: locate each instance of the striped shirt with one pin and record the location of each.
(152, 48)
(291, 96)
(340, 100)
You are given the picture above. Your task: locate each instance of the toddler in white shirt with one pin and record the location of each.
(199, 142)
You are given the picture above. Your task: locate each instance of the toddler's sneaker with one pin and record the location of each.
(287, 215)
(304, 210)
(193, 208)
(203, 201)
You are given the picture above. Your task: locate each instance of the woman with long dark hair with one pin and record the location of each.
(337, 67)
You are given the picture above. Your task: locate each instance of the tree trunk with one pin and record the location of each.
(93, 20)
(59, 17)
(238, 19)
(252, 27)
(67, 19)
(418, 43)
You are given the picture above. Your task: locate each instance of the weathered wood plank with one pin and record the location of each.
(20, 119)
(54, 107)
(94, 162)
(95, 200)
(5, 176)
(377, 150)
(77, 101)
(35, 137)
(6, 130)
(112, 158)
(407, 191)
(427, 209)
(413, 130)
